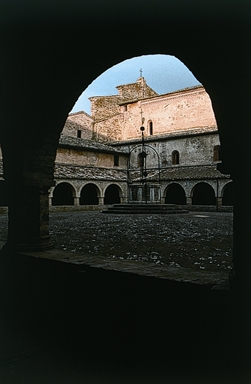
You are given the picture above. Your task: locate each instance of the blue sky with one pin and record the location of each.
(163, 73)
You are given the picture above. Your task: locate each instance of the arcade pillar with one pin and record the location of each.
(28, 224)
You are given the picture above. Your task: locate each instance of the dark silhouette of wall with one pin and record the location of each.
(50, 54)
(228, 194)
(3, 194)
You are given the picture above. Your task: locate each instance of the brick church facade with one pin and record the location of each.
(138, 146)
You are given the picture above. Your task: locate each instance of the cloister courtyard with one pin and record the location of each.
(197, 240)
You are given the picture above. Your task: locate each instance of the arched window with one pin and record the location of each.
(175, 158)
(150, 125)
(216, 152)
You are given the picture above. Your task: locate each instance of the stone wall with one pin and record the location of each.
(103, 107)
(110, 129)
(120, 118)
(178, 111)
(84, 158)
(79, 121)
(135, 91)
(194, 148)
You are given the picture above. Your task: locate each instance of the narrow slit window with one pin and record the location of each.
(79, 133)
(150, 128)
(216, 152)
(116, 160)
(175, 158)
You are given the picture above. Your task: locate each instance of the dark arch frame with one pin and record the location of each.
(210, 40)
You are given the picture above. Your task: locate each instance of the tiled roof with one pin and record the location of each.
(64, 171)
(196, 172)
(74, 142)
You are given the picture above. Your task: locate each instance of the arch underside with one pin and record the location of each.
(51, 54)
(42, 82)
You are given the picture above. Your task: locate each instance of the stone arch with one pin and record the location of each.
(89, 194)
(175, 194)
(203, 194)
(29, 153)
(113, 194)
(43, 93)
(63, 194)
(228, 194)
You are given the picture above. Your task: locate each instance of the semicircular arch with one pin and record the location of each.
(63, 194)
(112, 194)
(89, 194)
(175, 194)
(203, 194)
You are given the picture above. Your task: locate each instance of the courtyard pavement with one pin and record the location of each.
(113, 303)
(194, 247)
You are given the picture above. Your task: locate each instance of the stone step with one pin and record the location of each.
(145, 208)
(161, 212)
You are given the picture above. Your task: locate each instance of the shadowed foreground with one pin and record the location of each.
(65, 323)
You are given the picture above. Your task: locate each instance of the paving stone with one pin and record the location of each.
(188, 248)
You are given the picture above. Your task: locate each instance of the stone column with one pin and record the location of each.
(188, 200)
(140, 194)
(28, 226)
(76, 200)
(151, 194)
(101, 200)
(123, 200)
(219, 202)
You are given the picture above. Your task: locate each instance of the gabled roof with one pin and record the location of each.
(79, 113)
